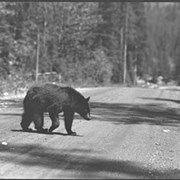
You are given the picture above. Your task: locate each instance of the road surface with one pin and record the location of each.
(134, 133)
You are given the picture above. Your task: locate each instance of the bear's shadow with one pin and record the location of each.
(52, 133)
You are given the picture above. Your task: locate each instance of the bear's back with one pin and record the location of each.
(53, 93)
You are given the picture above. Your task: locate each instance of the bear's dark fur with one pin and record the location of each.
(54, 100)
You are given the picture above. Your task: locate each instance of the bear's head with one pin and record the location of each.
(83, 109)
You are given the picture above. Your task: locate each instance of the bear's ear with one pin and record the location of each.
(87, 99)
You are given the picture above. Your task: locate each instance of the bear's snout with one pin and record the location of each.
(87, 116)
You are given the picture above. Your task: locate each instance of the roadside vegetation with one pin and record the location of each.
(88, 43)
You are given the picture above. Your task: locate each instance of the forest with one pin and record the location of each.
(88, 43)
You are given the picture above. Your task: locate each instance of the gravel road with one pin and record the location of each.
(134, 133)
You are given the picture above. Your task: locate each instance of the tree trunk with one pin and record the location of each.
(125, 44)
(37, 57)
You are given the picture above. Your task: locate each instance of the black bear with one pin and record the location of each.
(53, 99)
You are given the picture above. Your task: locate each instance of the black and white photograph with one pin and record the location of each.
(89, 90)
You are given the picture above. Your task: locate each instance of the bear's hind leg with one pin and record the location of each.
(68, 120)
(26, 121)
(55, 121)
(39, 122)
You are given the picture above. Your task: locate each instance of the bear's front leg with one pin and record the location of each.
(72, 133)
(68, 120)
